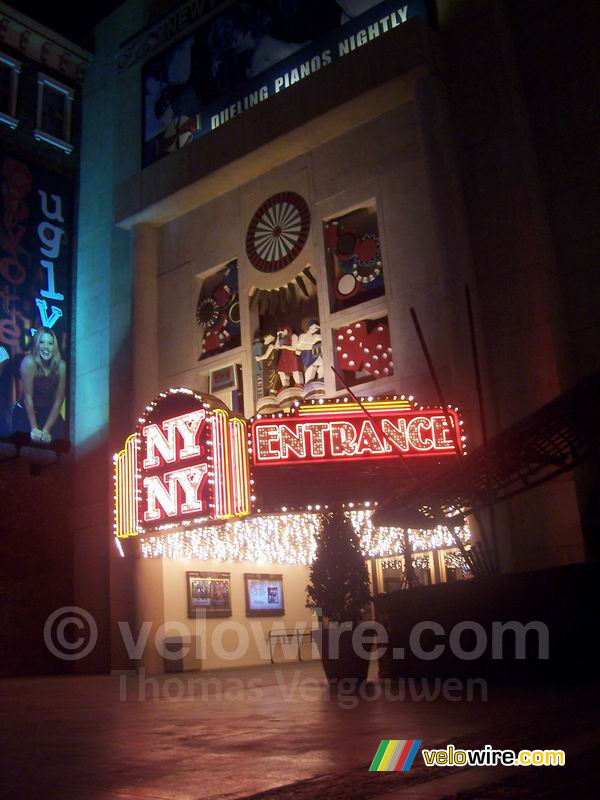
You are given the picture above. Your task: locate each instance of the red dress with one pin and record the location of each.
(288, 361)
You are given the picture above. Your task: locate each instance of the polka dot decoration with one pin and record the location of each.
(357, 348)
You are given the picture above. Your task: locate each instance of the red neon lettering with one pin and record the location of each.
(323, 436)
(316, 432)
(266, 436)
(165, 495)
(414, 431)
(395, 435)
(442, 435)
(343, 439)
(188, 426)
(368, 441)
(292, 442)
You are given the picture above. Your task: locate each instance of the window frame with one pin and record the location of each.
(369, 203)
(39, 133)
(10, 119)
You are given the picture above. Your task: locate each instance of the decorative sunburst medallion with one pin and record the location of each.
(277, 232)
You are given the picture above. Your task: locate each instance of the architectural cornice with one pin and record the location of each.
(37, 42)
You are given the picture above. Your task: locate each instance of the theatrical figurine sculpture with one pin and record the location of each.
(308, 346)
(267, 359)
(289, 365)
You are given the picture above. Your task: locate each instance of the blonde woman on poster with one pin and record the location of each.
(43, 374)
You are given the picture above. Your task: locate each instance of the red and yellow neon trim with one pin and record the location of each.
(344, 409)
(126, 511)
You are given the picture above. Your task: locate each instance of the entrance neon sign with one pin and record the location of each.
(343, 432)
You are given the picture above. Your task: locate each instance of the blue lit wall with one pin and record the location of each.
(110, 153)
(102, 333)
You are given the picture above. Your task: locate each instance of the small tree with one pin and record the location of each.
(339, 580)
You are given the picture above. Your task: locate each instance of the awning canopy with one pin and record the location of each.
(549, 442)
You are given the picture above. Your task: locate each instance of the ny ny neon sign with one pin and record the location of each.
(179, 491)
(194, 463)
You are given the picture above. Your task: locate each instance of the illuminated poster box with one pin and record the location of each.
(209, 594)
(264, 595)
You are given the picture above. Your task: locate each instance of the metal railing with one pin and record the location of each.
(288, 636)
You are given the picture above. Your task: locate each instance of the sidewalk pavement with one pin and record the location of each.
(277, 732)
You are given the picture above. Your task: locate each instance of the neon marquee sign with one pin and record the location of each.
(188, 458)
(343, 432)
(188, 461)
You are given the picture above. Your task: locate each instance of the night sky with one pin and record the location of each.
(74, 19)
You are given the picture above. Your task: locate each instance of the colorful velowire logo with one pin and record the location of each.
(395, 755)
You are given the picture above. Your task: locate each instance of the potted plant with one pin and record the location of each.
(339, 589)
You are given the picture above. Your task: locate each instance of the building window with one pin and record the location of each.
(353, 258)
(227, 385)
(363, 352)
(53, 120)
(9, 78)
(218, 312)
(455, 566)
(394, 576)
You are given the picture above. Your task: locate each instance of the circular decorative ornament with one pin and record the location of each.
(367, 266)
(367, 250)
(277, 232)
(366, 275)
(215, 340)
(234, 313)
(346, 244)
(211, 342)
(346, 286)
(209, 314)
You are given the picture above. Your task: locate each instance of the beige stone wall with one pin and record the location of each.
(238, 640)
(380, 161)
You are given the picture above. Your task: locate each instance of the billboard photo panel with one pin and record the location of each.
(35, 284)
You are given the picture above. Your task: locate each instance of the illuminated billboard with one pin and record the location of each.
(35, 267)
(252, 51)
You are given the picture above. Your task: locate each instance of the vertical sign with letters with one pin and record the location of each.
(35, 267)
